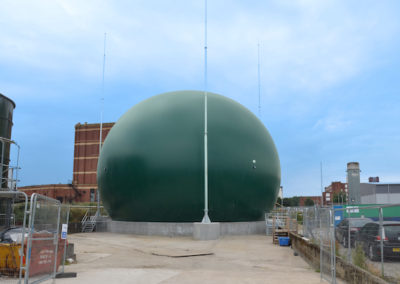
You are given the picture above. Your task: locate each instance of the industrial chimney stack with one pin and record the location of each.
(353, 181)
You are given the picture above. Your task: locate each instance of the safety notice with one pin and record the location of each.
(64, 230)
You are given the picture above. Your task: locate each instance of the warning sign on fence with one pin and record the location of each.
(64, 230)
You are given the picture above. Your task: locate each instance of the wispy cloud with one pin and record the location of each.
(333, 123)
(322, 65)
(309, 45)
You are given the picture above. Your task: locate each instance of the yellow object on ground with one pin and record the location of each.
(9, 259)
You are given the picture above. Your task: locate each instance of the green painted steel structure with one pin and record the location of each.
(151, 167)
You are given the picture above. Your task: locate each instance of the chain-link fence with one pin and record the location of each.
(311, 223)
(63, 230)
(45, 247)
(327, 244)
(366, 236)
(281, 223)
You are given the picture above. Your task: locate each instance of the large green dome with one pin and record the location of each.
(151, 167)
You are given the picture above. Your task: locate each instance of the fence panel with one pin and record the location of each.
(311, 223)
(45, 247)
(13, 231)
(369, 237)
(390, 243)
(326, 232)
(63, 230)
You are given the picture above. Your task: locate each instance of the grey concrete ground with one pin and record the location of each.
(118, 258)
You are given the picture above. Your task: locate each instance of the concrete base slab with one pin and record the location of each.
(151, 228)
(206, 231)
(179, 229)
(236, 260)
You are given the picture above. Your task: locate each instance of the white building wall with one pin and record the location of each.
(368, 199)
(384, 198)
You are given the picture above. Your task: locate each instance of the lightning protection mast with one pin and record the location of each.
(101, 117)
(206, 219)
(259, 80)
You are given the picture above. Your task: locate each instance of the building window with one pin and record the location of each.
(92, 195)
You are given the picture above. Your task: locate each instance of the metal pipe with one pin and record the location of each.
(17, 168)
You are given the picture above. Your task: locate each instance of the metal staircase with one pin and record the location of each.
(89, 222)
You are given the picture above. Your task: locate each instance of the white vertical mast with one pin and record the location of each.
(259, 81)
(102, 96)
(206, 219)
(101, 118)
(322, 188)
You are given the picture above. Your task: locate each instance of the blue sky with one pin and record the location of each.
(329, 75)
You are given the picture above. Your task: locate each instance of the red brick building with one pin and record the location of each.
(334, 188)
(61, 192)
(86, 154)
(84, 176)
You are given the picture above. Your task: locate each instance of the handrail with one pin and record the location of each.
(85, 217)
(89, 221)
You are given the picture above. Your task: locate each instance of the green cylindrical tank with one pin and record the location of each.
(6, 113)
(151, 167)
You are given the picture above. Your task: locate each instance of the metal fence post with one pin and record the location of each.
(381, 234)
(349, 236)
(30, 230)
(333, 244)
(321, 248)
(65, 242)
(23, 238)
(56, 243)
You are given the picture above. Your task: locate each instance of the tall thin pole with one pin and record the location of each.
(322, 187)
(206, 219)
(259, 81)
(101, 116)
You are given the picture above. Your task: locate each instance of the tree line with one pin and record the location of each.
(338, 198)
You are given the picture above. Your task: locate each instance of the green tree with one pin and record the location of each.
(279, 201)
(295, 201)
(340, 198)
(309, 202)
(291, 201)
(286, 202)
